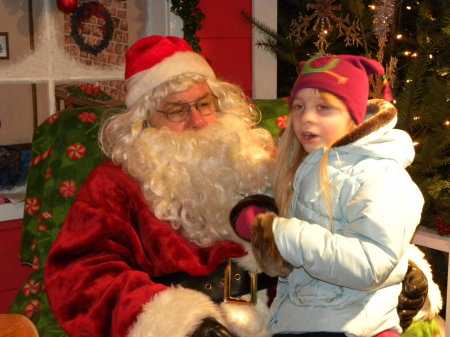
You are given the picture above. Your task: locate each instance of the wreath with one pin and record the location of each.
(85, 11)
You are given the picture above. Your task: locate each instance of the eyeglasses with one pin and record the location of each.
(179, 112)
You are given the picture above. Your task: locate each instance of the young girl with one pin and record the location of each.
(348, 208)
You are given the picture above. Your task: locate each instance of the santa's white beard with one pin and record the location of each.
(192, 179)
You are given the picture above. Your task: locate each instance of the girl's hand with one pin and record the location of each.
(264, 247)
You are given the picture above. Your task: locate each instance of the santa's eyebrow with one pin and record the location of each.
(182, 102)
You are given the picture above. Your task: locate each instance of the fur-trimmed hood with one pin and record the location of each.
(376, 136)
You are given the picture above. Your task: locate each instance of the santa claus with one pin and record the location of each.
(147, 249)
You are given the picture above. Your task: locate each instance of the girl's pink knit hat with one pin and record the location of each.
(345, 76)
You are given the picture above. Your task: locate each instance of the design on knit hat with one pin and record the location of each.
(323, 64)
(153, 60)
(345, 76)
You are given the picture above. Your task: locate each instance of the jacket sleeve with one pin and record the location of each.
(381, 211)
(98, 274)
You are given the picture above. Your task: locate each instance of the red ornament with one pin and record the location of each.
(68, 103)
(67, 6)
(441, 225)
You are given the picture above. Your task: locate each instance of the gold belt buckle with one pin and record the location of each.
(227, 288)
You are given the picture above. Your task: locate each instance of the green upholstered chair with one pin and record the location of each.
(64, 152)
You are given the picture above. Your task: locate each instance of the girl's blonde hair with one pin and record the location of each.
(290, 156)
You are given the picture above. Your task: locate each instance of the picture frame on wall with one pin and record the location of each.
(4, 46)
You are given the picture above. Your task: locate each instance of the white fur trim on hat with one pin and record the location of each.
(181, 62)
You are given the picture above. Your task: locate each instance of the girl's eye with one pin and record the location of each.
(297, 107)
(322, 107)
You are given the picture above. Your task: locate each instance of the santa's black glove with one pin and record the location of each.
(245, 211)
(413, 295)
(211, 328)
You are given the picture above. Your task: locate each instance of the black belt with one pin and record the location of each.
(214, 284)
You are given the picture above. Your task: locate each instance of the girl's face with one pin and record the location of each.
(319, 121)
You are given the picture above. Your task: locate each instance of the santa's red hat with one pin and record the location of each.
(154, 59)
(345, 76)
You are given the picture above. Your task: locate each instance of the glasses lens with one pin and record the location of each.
(206, 105)
(177, 112)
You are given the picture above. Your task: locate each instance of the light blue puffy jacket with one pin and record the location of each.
(348, 275)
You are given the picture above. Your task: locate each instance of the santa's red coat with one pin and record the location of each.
(99, 271)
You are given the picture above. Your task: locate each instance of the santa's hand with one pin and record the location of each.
(264, 248)
(211, 328)
(245, 211)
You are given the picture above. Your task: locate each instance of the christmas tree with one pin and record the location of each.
(411, 39)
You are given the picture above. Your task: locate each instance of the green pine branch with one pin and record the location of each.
(411, 91)
(280, 46)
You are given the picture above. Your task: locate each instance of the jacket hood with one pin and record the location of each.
(377, 137)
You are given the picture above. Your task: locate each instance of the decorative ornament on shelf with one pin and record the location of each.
(85, 91)
(67, 6)
(84, 12)
(88, 91)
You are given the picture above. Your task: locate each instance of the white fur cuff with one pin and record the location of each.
(433, 303)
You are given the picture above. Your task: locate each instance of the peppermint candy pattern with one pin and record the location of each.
(53, 118)
(76, 151)
(32, 308)
(32, 205)
(87, 117)
(68, 188)
(282, 121)
(31, 288)
(41, 157)
(36, 263)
